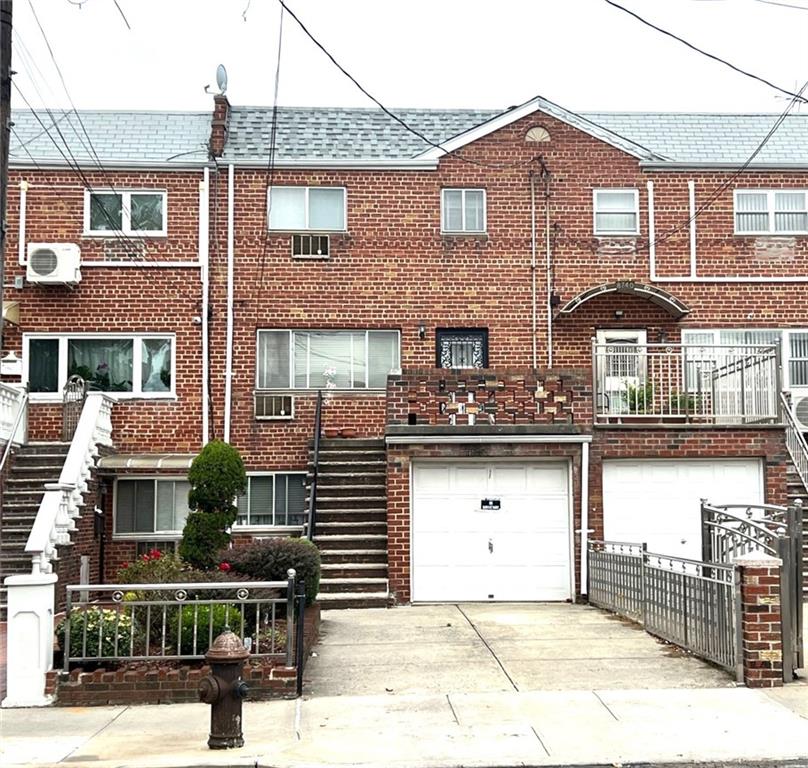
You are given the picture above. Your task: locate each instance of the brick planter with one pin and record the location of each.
(174, 683)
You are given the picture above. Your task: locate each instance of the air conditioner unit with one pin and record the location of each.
(53, 263)
(799, 404)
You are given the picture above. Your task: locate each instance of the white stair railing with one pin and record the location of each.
(62, 502)
(13, 416)
(795, 441)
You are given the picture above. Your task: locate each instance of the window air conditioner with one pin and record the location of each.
(53, 263)
(799, 405)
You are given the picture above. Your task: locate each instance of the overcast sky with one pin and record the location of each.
(582, 54)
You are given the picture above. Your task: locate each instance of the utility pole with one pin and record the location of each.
(5, 137)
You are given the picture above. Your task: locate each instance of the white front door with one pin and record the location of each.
(657, 501)
(490, 531)
(621, 371)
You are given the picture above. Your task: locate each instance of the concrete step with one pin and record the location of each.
(335, 600)
(330, 585)
(350, 541)
(354, 570)
(43, 446)
(352, 443)
(349, 463)
(351, 527)
(329, 455)
(351, 515)
(375, 556)
(338, 479)
(330, 501)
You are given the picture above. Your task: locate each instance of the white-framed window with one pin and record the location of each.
(793, 345)
(273, 499)
(145, 506)
(771, 212)
(326, 359)
(297, 209)
(140, 212)
(462, 211)
(124, 365)
(616, 211)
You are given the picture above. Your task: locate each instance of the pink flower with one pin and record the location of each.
(224, 567)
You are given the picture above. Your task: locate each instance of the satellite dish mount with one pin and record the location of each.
(221, 79)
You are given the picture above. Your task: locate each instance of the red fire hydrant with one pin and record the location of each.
(224, 690)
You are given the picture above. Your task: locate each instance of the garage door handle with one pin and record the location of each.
(490, 545)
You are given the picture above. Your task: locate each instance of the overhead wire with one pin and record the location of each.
(709, 55)
(273, 134)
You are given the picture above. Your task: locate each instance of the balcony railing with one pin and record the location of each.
(686, 383)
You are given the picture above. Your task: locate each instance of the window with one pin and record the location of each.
(462, 347)
(131, 212)
(463, 210)
(134, 366)
(617, 211)
(304, 208)
(273, 499)
(781, 212)
(151, 506)
(326, 359)
(794, 346)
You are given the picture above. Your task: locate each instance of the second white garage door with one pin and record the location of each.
(490, 531)
(658, 501)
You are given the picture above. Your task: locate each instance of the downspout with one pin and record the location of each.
(228, 374)
(691, 196)
(584, 516)
(21, 255)
(204, 261)
(532, 176)
(545, 174)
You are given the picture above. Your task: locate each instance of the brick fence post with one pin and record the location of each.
(762, 644)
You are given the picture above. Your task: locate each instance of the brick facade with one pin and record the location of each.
(394, 269)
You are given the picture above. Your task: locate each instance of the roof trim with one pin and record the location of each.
(539, 104)
(147, 461)
(652, 293)
(359, 163)
(685, 165)
(118, 165)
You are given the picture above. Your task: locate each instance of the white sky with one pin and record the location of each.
(582, 54)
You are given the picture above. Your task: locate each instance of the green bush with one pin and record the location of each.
(223, 616)
(217, 477)
(104, 624)
(269, 560)
(156, 567)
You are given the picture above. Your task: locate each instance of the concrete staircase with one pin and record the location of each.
(32, 466)
(351, 528)
(796, 490)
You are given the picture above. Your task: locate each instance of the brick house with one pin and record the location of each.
(536, 339)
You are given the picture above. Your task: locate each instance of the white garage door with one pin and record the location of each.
(489, 531)
(658, 501)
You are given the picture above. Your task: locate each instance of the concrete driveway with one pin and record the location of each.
(474, 648)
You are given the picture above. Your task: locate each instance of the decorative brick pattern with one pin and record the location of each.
(489, 396)
(761, 621)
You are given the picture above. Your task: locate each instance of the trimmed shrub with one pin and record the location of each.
(103, 626)
(217, 477)
(269, 560)
(222, 616)
(156, 567)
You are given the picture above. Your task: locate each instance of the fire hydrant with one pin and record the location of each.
(224, 690)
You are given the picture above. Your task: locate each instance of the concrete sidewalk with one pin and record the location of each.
(469, 729)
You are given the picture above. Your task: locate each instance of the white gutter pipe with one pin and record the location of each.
(21, 255)
(585, 530)
(533, 264)
(693, 277)
(204, 260)
(549, 266)
(228, 373)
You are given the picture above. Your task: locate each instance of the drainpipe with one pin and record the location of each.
(584, 515)
(228, 374)
(204, 261)
(532, 176)
(21, 255)
(545, 175)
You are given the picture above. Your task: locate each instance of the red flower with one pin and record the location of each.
(125, 565)
(155, 554)
(224, 567)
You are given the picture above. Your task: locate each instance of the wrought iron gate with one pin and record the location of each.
(73, 396)
(729, 530)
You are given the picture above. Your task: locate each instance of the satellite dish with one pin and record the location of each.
(221, 78)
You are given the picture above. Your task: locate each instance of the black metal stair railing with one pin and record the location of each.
(318, 416)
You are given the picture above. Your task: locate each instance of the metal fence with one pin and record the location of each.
(692, 604)
(686, 383)
(128, 622)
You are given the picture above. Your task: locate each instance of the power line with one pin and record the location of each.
(272, 145)
(123, 15)
(703, 52)
(783, 5)
(724, 185)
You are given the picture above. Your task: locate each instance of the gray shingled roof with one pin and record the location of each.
(351, 134)
(118, 137)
